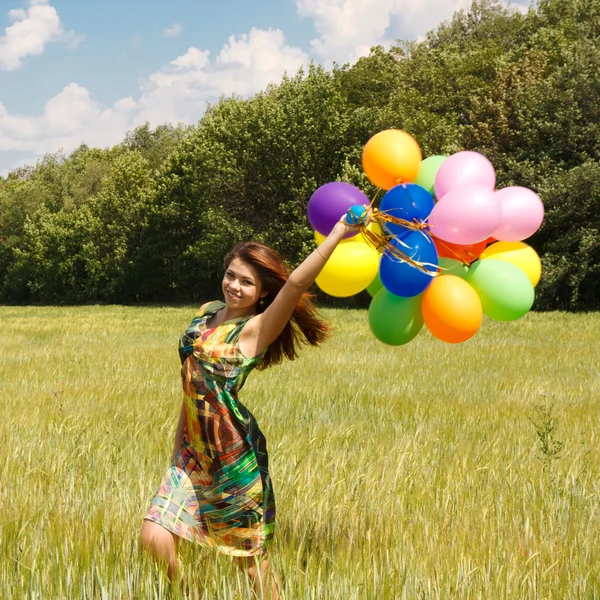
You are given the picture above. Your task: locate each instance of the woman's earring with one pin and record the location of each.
(261, 301)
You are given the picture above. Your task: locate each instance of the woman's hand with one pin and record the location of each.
(344, 226)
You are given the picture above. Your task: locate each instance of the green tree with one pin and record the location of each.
(29, 200)
(116, 215)
(152, 218)
(569, 240)
(248, 170)
(47, 265)
(155, 145)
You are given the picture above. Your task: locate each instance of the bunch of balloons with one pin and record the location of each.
(452, 246)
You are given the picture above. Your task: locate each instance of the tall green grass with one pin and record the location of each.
(411, 472)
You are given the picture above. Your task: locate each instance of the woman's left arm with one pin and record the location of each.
(267, 326)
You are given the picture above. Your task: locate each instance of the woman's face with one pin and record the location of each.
(241, 286)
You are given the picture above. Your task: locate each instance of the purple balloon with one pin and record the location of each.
(331, 202)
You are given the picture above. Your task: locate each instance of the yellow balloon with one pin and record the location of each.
(319, 239)
(519, 254)
(391, 157)
(349, 270)
(375, 227)
(358, 238)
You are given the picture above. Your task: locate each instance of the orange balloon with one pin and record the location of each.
(466, 253)
(391, 157)
(451, 309)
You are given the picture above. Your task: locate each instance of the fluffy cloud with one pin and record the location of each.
(70, 118)
(179, 92)
(29, 33)
(172, 31)
(245, 65)
(347, 29)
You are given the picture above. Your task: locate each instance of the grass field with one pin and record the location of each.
(425, 471)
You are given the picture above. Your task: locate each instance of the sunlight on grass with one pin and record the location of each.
(411, 472)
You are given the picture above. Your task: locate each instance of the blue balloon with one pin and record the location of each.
(407, 201)
(399, 277)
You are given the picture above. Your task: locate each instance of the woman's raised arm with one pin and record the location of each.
(264, 329)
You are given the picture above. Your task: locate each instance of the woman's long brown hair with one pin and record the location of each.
(305, 326)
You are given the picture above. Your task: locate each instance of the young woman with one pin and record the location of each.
(217, 491)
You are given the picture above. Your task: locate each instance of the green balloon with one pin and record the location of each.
(375, 285)
(505, 291)
(451, 266)
(395, 320)
(428, 171)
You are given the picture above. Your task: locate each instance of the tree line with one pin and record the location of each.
(150, 219)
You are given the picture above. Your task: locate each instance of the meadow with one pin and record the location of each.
(428, 471)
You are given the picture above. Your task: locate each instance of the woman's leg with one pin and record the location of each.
(162, 545)
(258, 570)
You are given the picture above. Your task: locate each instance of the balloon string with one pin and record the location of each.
(374, 198)
(384, 217)
(383, 243)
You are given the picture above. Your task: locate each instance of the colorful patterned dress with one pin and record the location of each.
(218, 491)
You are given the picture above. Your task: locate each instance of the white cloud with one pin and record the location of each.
(173, 31)
(347, 29)
(17, 14)
(192, 59)
(522, 8)
(69, 111)
(245, 65)
(72, 39)
(69, 118)
(179, 92)
(29, 33)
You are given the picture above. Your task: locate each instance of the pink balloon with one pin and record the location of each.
(466, 215)
(463, 169)
(522, 214)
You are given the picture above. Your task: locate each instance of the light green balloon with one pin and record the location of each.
(395, 320)
(505, 291)
(375, 286)
(451, 266)
(427, 172)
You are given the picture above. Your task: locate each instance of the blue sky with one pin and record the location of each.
(74, 71)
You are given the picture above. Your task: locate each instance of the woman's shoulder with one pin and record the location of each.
(209, 308)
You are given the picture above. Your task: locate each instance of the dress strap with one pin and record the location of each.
(210, 308)
(187, 340)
